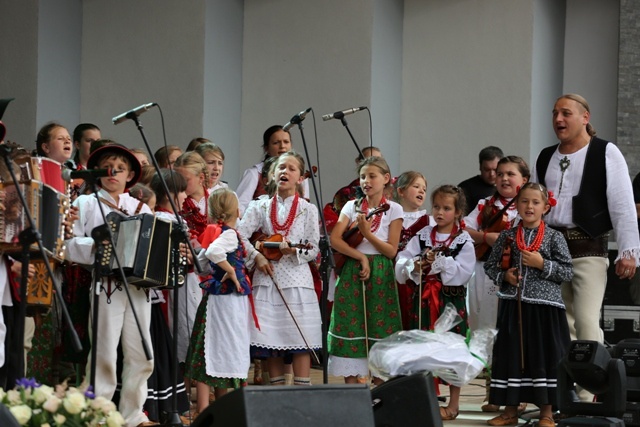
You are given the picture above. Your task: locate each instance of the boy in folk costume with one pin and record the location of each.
(116, 323)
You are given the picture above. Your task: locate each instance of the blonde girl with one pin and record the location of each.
(214, 158)
(193, 168)
(295, 220)
(410, 190)
(359, 320)
(220, 341)
(444, 252)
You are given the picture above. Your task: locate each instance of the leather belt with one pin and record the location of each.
(582, 245)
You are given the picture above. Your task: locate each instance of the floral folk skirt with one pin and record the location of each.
(352, 325)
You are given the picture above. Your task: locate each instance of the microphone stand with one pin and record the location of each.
(27, 237)
(173, 418)
(346, 126)
(100, 233)
(327, 263)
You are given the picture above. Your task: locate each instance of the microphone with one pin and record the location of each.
(297, 119)
(132, 113)
(87, 174)
(340, 114)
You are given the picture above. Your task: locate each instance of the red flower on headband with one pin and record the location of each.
(517, 189)
(552, 200)
(462, 224)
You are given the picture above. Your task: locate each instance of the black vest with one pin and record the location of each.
(590, 209)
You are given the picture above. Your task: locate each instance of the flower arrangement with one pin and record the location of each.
(38, 405)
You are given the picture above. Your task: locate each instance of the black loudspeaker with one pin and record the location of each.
(313, 406)
(409, 401)
(6, 418)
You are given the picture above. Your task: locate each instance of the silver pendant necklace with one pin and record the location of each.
(564, 165)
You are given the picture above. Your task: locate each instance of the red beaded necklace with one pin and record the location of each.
(377, 218)
(277, 227)
(196, 221)
(537, 242)
(446, 242)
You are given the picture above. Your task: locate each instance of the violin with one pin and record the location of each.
(505, 259)
(309, 173)
(353, 237)
(496, 224)
(270, 247)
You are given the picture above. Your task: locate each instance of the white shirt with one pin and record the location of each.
(453, 271)
(395, 211)
(226, 242)
(620, 202)
(471, 220)
(80, 249)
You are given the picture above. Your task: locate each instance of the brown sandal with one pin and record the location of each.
(490, 407)
(503, 420)
(447, 415)
(546, 422)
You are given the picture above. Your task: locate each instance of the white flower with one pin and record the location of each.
(74, 403)
(101, 403)
(59, 419)
(42, 393)
(46, 425)
(114, 419)
(22, 413)
(13, 397)
(52, 404)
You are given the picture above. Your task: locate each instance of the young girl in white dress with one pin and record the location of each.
(219, 355)
(295, 220)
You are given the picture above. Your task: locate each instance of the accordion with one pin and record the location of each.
(143, 245)
(48, 208)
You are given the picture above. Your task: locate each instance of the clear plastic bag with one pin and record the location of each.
(443, 353)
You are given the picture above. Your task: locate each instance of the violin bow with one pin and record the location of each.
(366, 328)
(420, 293)
(520, 315)
(423, 255)
(306, 343)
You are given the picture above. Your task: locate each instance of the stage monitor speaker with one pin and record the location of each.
(6, 418)
(409, 401)
(313, 406)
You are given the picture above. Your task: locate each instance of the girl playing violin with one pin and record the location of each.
(484, 224)
(285, 302)
(358, 320)
(444, 252)
(533, 334)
